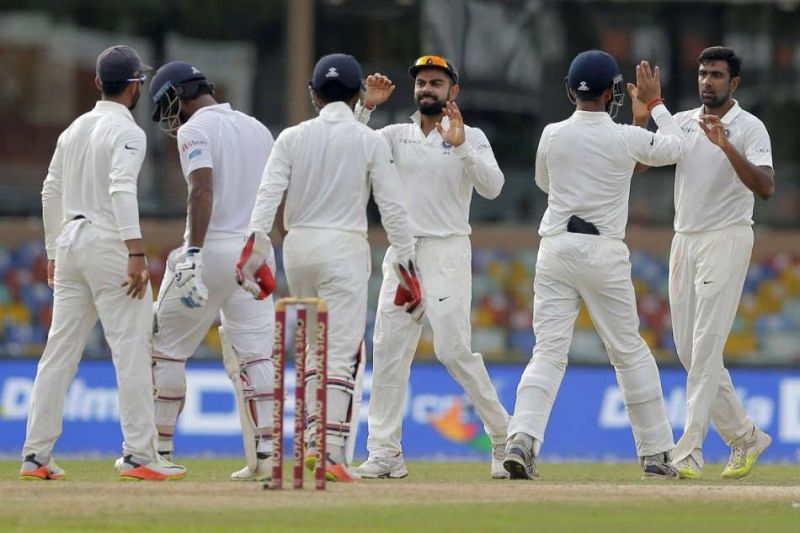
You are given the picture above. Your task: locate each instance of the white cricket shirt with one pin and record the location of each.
(235, 146)
(437, 179)
(708, 193)
(329, 164)
(94, 173)
(585, 165)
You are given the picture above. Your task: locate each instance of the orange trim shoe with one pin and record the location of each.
(158, 470)
(339, 473)
(33, 470)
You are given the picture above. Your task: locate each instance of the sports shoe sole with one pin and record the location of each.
(142, 473)
(40, 474)
(517, 469)
(338, 474)
(388, 475)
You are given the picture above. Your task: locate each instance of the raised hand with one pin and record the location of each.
(454, 134)
(648, 83)
(714, 129)
(641, 115)
(379, 89)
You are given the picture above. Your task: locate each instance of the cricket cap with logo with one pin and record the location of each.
(592, 71)
(120, 64)
(337, 68)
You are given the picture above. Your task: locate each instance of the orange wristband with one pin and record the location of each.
(654, 102)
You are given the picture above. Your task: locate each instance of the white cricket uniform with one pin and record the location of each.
(235, 146)
(585, 165)
(90, 208)
(708, 264)
(437, 182)
(327, 166)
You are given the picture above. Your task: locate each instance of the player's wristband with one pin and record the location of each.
(141, 254)
(654, 102)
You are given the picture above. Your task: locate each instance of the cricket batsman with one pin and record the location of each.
(327, 167)
(97, 267)
(222, 153)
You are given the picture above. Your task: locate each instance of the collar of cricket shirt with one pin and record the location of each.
(114, 107)
(336, 111)
(728, 117)
(416, 118)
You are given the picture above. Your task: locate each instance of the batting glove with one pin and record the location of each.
(189, 279)
(252, 271)
(409, 292)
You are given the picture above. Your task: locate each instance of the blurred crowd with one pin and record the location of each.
(766, 330)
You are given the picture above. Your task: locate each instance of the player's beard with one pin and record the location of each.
(430, 108)
(135, 99)
(714, 100)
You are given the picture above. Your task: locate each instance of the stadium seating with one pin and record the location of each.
(766, 330)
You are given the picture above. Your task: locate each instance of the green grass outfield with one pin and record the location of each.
(437, 496)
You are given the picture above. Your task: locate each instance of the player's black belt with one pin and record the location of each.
(578, 225)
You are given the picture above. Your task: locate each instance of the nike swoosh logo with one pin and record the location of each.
(707, 282)
(652, 140)
(443, 299)
(131, 147)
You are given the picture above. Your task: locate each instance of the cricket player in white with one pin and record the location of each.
(585, 165)
(729, 158)
(97, 266)
(327, 167)
(223, 153)
(440, 161)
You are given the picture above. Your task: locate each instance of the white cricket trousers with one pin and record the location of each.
(706, 276)
(334, 265)
(574, 267)
(91, 264)
(445, 271)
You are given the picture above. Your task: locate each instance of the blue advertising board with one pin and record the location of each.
(588, 421)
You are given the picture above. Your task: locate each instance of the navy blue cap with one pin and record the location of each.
(339, 68)
(120, 64)
(592, 71)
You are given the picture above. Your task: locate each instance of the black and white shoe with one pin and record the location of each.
(658, 466)
(519, 462)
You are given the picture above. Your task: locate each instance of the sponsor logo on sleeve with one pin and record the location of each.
(188, 145)
(194, 153)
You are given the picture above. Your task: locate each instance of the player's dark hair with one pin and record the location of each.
(592, 96)
(114, 89)
(335, 92)
(722, 53)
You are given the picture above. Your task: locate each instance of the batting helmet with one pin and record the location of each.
(173, 82)
(591, 73)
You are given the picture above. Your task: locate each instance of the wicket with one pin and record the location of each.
(279, 360)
